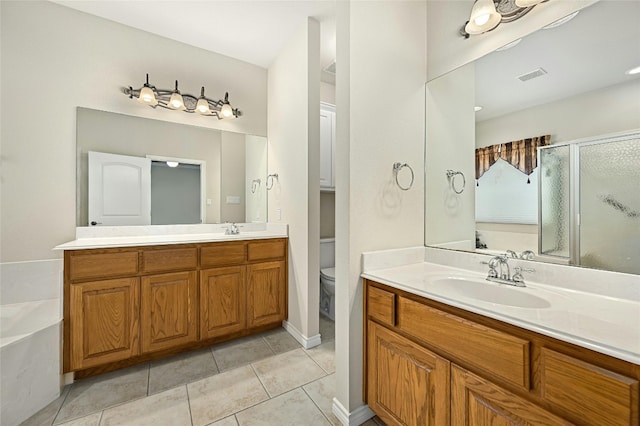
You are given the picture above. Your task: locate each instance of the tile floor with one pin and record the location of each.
(267, 379)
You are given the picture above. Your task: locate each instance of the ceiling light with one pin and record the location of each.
(561, 21)
(174, 100)
(173, 163)
(527, 3)
(477, 108)
(633, 71)
(484, 17)
(509, 45)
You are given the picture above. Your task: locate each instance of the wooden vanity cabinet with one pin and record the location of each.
(418, 351)
(123, 306)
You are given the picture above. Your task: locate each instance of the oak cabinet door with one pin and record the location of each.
(478, 402)
(266, 293)
(104, 322)
(407, 384)
(223, 298)
(168, 310)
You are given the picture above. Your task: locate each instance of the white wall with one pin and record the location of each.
(449, 50)
(294, 153)
(377, 68)
(609, 110)
(450, 145)
(58, 58)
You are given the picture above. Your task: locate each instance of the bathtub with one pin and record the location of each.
(29, 358)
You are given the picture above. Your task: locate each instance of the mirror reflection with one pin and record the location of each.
(568, 83)
(138, 171)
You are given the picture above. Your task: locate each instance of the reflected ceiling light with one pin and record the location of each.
(173, 163)
(173, 99)
(509, 45)
(561, 21)
(488, 14)
(633, 71)
(477, 108)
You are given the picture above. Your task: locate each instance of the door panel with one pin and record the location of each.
(222, 301)
(266, 302)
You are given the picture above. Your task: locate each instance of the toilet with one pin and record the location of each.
(327, 277)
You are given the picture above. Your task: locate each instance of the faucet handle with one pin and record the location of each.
(519, 269)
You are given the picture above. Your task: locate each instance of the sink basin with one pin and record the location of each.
(500, 294)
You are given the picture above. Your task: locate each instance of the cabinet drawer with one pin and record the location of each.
(587, 391)
(493, 351)
(267, 249)
(381, 305)
(102, 265)
(222, 254)
(174, 259)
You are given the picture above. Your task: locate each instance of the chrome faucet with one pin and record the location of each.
(527, 255)
(511, 253)
(497, 273)
(232, 229)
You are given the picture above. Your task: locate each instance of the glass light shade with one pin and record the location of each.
(527, 3)
(176, 101)
(633, 71)
(226, 111)
(147, 96)
(484, 17)
(203, 106)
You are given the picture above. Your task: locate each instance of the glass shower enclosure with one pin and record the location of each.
(589, 202)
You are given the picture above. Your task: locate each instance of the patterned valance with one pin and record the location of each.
(522, 154)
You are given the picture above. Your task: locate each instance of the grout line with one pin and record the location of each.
(317, 406)
(260, 380)
(100, 419)
(189, 403)
(214, 359)
(53, 421)
(149, 379)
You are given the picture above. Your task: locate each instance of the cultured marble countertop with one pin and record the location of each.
(178, 235)
(604, 324)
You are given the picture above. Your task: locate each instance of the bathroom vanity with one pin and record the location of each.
(428, 360)
(133, 303)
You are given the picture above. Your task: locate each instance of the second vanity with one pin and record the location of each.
(134, 298)
(444, 346)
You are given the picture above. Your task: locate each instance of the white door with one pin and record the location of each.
(119, 189)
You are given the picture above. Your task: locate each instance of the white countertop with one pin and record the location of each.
(105, 238)
(604, 324)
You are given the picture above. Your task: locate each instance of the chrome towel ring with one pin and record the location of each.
(270, 180)
(396, 169)
(451, 177)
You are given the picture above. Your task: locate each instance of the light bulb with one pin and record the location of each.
(176, 101)
(482, 19)
(203, 105)
(147, 96)
(226, 111)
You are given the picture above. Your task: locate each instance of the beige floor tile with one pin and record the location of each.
(46, 416)
(227, 421)
(322, 392)
(181, 369)
(281, 341)
(327, 329)
(241, 352)
(219, 396)
(90, 420)
(94, 394)
(286, 371)
(294, 408)
(325, 356)
(170, 407)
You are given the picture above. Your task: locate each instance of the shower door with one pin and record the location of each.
(609, 204)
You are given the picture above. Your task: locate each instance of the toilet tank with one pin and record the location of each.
(327, 253)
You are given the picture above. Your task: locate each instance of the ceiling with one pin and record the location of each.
(591, 51)
(253, 31)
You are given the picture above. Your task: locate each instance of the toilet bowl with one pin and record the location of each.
(327, 292)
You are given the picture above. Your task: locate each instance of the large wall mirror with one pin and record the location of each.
(138, 171)
(563, 96)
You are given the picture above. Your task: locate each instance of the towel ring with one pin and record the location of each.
(270, 180)
(255, 185)
(396, 169)
(451, 177)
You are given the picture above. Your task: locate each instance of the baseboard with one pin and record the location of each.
(306, 342)
(354, 418)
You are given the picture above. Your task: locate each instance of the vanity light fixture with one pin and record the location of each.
(150, 95)
(488, 14)
(477, 108)
(173, 163)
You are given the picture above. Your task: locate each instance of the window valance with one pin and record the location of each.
(522, 154)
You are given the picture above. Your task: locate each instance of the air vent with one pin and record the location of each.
(331, 68)
(532, 74)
